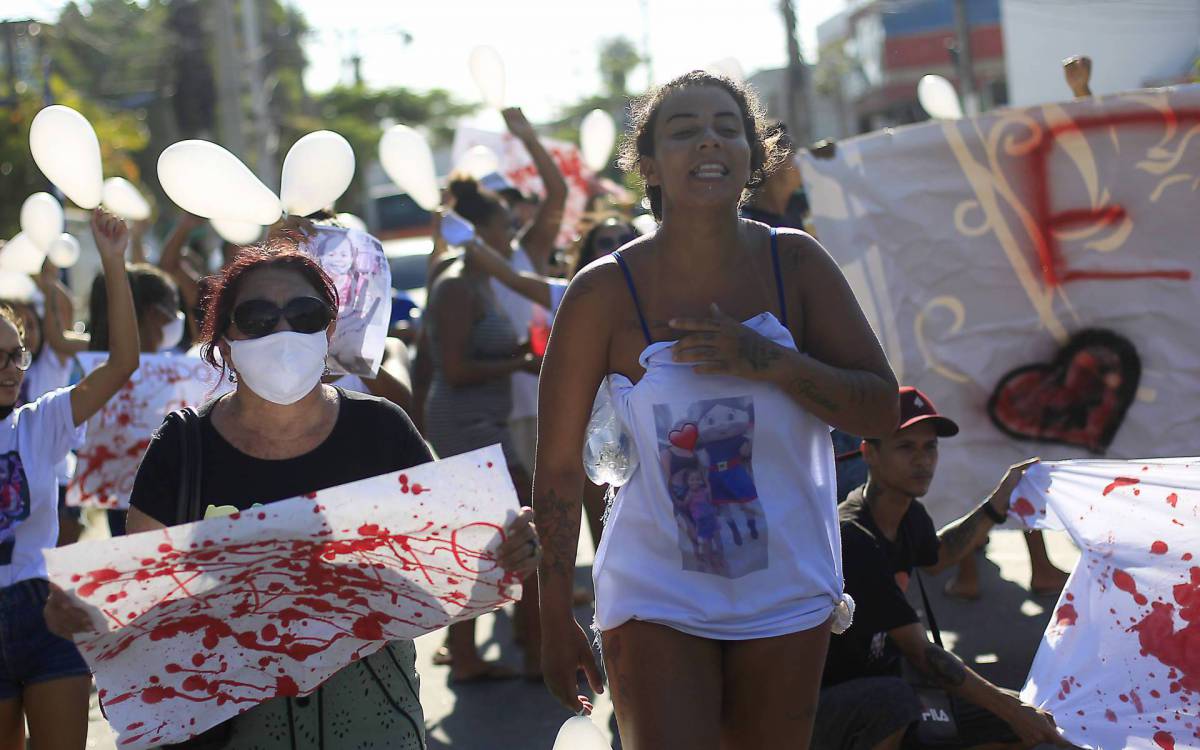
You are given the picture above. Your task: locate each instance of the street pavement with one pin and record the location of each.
(997, 636)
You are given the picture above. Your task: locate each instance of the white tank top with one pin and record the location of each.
(728, 529)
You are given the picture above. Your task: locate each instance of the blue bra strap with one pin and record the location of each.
(778, 277)
(633, 293)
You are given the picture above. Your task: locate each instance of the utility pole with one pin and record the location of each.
(646, 57)
(229, 83)
(265, 141)
(799, 126)
(964, 60)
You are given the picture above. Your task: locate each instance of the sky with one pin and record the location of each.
(549, 46)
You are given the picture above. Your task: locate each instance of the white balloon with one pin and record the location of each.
(64, 253)
(351, 221)
(408, 162)
(21, 255)
(17, 287)
(597, 136)
(237, 232)
(42, 220)
(479, 162)
(487, 68)
(579, 733)
(66, 149)
(728, 67)
(938, 98)
(316, 171)
(204, 179)
(124, 200)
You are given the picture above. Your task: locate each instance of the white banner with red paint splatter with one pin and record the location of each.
(980, 248)
(198, 623)
(1119, 664)
(518, 167)
(120, 432)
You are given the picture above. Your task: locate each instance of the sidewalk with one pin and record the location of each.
(997, 636)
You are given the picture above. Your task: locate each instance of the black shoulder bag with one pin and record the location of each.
(937, 726)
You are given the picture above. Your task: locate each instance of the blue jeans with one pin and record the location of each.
(29, 652)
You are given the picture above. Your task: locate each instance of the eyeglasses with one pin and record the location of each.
(258, 317)
(608, 243)
(21, 358)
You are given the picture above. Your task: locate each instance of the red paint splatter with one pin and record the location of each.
(1120, 482)
(1023, 508)
(1066, 615)
(418, 489)
(1175, 648)
(1137, 701)
(1158, 548)
(1165, 740)
(1173, 500)
(1186, 556)
(1110, 716)
(1125, 582)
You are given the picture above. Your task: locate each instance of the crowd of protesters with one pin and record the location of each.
(730, 344)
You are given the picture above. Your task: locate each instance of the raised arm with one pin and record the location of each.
(532, 286)
(576, 362)
(963, 536)
(538, 238)
(453, 313)
(101, 384)
(60, 312)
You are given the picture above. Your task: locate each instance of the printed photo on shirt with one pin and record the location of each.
(14, 502)
(706, 454)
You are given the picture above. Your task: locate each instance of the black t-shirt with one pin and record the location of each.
(877, 572)
(371, 437)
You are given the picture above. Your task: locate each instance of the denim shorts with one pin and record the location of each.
(29, 652)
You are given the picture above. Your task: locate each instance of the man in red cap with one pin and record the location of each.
(886, 534)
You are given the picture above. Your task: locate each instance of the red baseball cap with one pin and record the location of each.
(916, 407)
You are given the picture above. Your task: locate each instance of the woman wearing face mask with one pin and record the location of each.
(44, 682)
(280, 434)
(700, 652)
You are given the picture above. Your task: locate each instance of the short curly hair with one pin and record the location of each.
(638, 142)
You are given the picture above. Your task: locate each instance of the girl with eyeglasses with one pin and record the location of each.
(44, 682)
(281, 433)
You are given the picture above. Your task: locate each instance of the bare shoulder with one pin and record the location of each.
(598, 283)
(450, 284)
(798, 248)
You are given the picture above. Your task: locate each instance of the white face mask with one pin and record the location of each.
(282, 367)
(172, 333)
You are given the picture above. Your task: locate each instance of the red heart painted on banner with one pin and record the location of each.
(685, 438)
(1080, 398)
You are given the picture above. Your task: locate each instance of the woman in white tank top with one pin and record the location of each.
(729, 352)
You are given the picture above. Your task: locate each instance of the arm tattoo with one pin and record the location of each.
(757, 351)
(807, 389)
(959, 538)
(558, 521)
(856, 385)
(943, 667)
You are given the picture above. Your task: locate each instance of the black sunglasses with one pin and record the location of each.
(259, 317)
(19, 357)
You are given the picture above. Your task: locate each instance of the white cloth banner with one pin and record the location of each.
(981, 248)
(197, 623)
(1119, 664)
(120, 432)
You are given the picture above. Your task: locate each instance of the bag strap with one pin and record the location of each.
(189, 503)
(933, 626)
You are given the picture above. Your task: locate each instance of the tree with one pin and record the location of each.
(618, 58)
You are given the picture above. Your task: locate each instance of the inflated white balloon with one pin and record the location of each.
(66, 149)
(42, 220)
(938, 98)
(64, 253)
(487, 68)
(21, 255)
(237, 232)
(124, 200)
(479, 162)
(204, 179)
(350, 221)
(316, 171)
(597, 136)
(579, 733)
(408, 162)
(17, 287)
